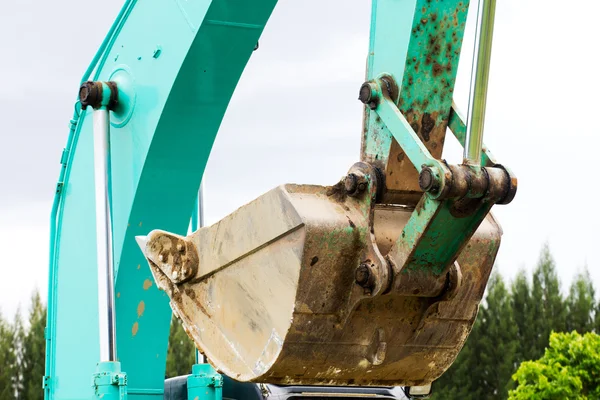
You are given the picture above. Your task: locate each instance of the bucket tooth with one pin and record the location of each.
(273, 296)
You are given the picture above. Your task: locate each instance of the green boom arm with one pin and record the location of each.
(177, 64)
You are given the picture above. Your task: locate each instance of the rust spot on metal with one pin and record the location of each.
(139, 266)
(415, 127)
(147, 284)
(135, 328)
(437, 69)
(140, 308)
(118, 295)
(427, 125)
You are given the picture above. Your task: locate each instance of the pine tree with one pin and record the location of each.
(33, 351)
(498, 341)
(461, 381)
(597, 318)
(549, 309)
(581, 303)
(523, 309)
(8, 361)
(20, 333)
(182, 353)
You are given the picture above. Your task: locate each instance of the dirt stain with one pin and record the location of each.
(140, 308)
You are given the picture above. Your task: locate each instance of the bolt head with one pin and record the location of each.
(351, 183)
(362, 275)
(90, 94)
(427, 180)
(365, 94)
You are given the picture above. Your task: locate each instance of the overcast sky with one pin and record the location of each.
(541, 122)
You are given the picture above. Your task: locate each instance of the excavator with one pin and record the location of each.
(367, 288)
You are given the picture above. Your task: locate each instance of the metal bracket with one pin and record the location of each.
(46, 382)
(457, 198)
(205, 383)
(109, 382)
(438, 179)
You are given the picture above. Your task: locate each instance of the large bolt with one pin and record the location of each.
(351, 183)
(368, 95)
(428, 181)
(363, 275)
(90, 94)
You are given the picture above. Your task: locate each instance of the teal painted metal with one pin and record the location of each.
(405, 136)
(416, 114)
(186, 87)
(55, 216)
(425, 80)
(432, 63)
(388, 48)
(109, 382)
(204, 383)
(435, 233)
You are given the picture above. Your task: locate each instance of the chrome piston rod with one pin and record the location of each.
(106, 287)
(480, 73)
(197, 223)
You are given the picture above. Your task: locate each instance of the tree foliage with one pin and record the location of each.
(33, 348)
(8, 361)
(514, 325)
(579, 303)
(22, 351)
(182, 353)
(569, 369)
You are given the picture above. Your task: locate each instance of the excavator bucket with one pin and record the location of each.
(295, 288)
(375, 281)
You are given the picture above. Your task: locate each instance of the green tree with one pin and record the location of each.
(33, 348)
(523, 311)
(19, 332)
(597, 319)
(569, 369)
(549, 309)
(9, 371)
(581, 303)
(461, 381)
(484, 366)
(182, 353)
(498, 341)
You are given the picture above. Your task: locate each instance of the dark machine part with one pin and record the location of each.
(176, 389)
